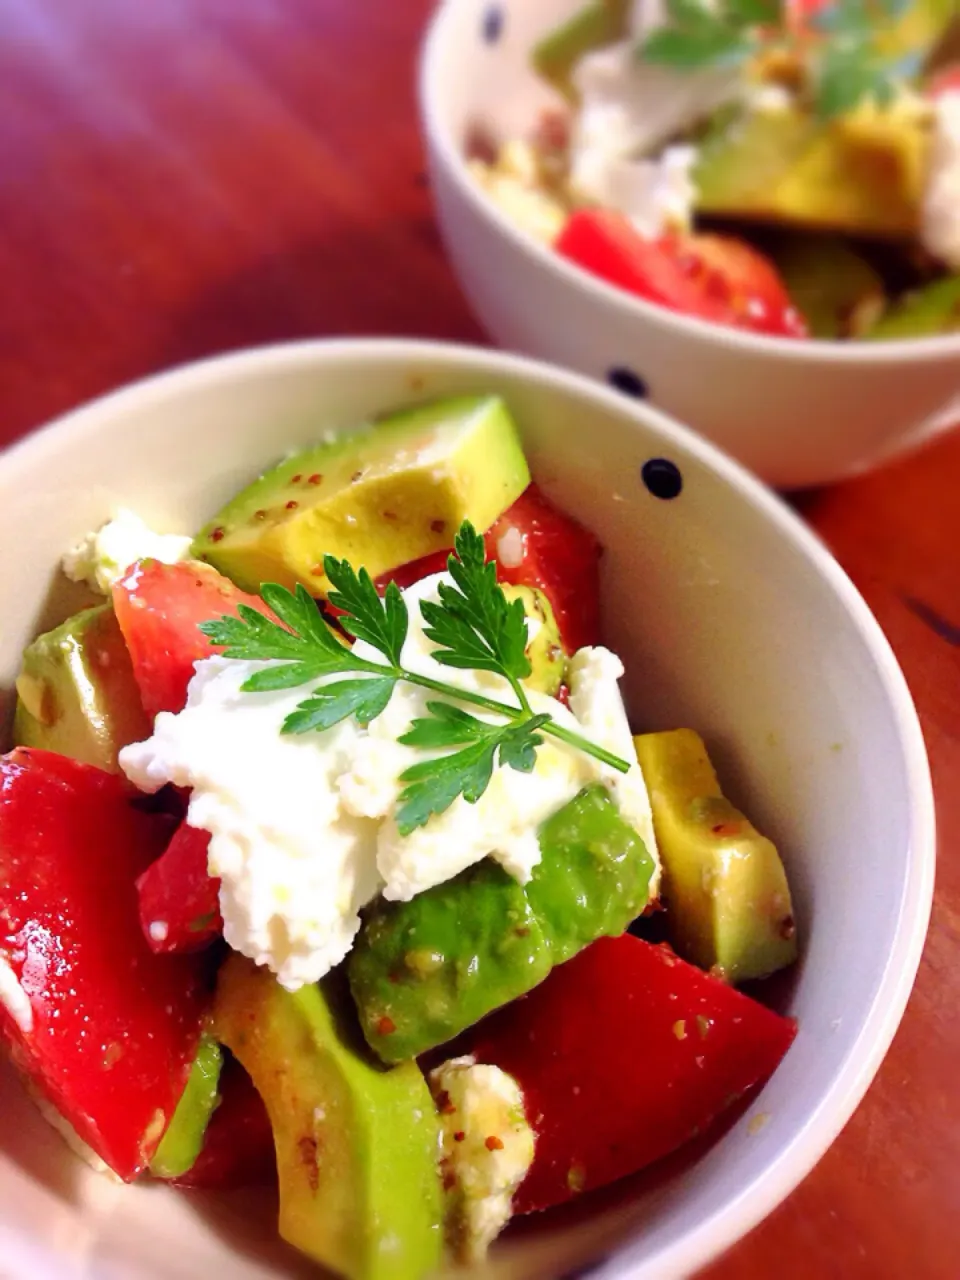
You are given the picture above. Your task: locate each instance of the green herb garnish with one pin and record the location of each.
(846, 67)
(474, 627)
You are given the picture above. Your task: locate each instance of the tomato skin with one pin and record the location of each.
(114, 1027)
(616, 1067)
(715, 278)
(159, 608)
(606, 244)
(558, 555)
(743, 280)
(945, 81)
(238, 1148)
(177, 892)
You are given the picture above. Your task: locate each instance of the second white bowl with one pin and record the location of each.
(796, 413)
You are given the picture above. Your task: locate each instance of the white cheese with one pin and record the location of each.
(629, 110)
(487, 1150)
(102, 557)
(14, 999)
(303, 828)
(940, 232)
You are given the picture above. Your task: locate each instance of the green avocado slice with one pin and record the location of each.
(423, 971)
(837, 291)
(183, 1140)
(724, 886)
(598, 23)
(924, 313)
(76, 692)
(380, 498)
(357, 1144)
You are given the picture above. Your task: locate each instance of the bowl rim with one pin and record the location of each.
(628, 306)
(786, 1169)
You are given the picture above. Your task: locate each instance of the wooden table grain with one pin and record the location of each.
(181, 177)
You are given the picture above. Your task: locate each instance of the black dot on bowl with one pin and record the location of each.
(493, 21)
(662, 477)
(630, 383)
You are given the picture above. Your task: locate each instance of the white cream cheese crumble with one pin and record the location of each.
(629, 109)
(940, 230)
(487, 1150)
(303, 832)
(102, 557)
(14, 999)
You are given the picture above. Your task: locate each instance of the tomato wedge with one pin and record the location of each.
(103, 1028)
(710, 277)
(160, 608)
(535, 544)
(743, 281)
(623, 1054)
(607, 245)
(179, 900)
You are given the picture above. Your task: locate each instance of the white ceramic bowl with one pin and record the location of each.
(796, 413)
(731, 617)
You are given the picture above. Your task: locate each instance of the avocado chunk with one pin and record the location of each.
(357, 1145)
(76, 693)
(545, 652)
(598, 23)
(726, 892)
(183, 1140)
(923, 313)
(393, 493)
(837, 291)
(863, 174)
(423, 971)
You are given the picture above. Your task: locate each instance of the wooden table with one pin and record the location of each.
(178, 177)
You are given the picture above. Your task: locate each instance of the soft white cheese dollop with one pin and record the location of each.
(102, 557)
(14, 999)
(303, 832)
(940, 232)
(487, 1150)
(629, 109)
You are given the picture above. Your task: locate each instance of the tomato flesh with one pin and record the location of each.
(179, 899)
(160, 608)
(623, 1054)
(112, 1028)
(710, 277)
(549, 550)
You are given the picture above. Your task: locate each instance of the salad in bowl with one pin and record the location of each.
(330, 857)
(789, 168)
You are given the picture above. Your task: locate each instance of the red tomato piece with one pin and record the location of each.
(558, 555)
(715, 278)
(623, 1054)
(112, 1029)
(179, 900)
(945, 81)
(160, 608)
(238, 1148)
(742, 280)
(550, 550)
(606, 244)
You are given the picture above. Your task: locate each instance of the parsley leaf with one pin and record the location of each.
(365, 699)
(474, 627)
(433, 785)
(845, 69)
(382, 623)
